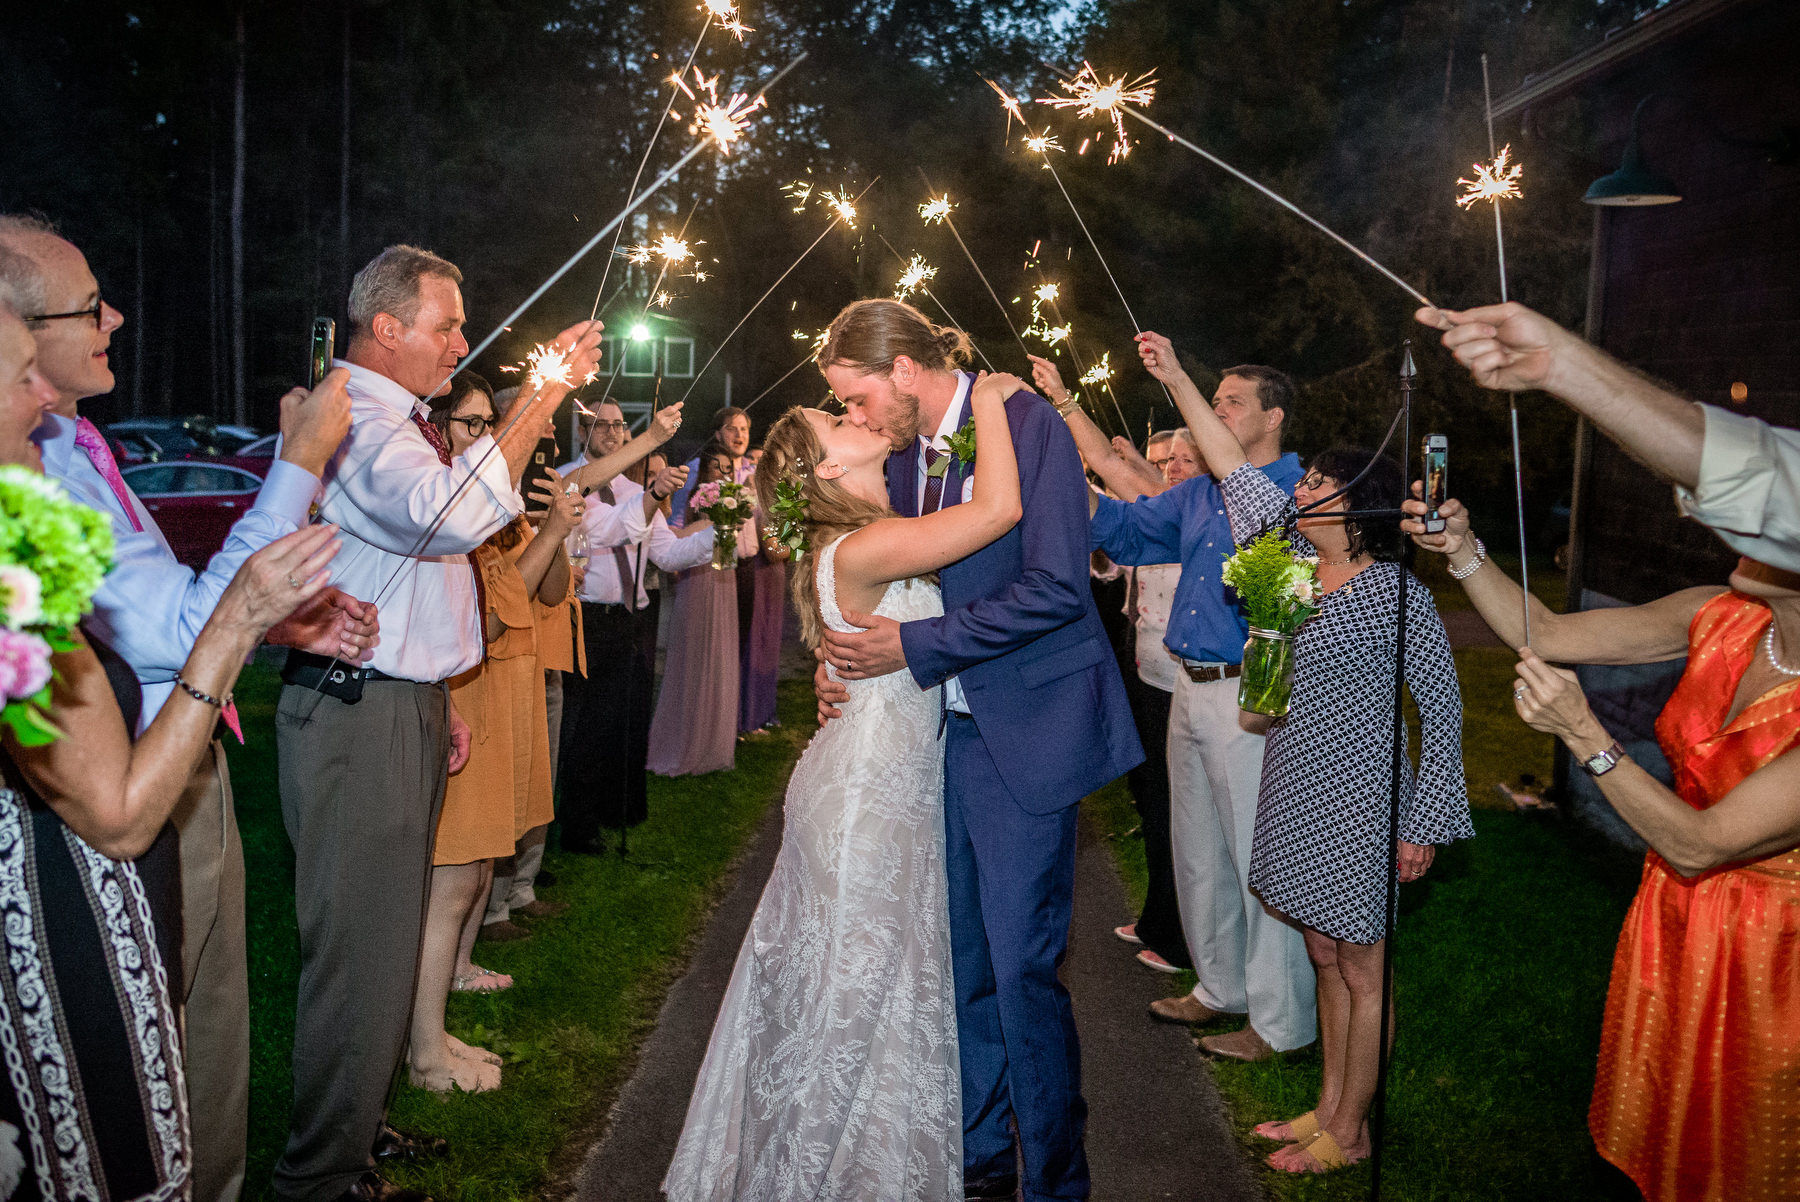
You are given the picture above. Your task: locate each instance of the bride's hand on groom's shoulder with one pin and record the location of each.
(998, 385)
(874, 650)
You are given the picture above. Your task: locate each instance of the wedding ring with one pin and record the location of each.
(1519, 693)
(294, 583)
(849, 665)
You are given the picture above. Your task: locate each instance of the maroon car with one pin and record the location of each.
(194, 501)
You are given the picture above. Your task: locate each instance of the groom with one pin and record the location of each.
(1035, 716)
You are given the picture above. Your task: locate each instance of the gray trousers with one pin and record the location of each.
(215, 980)
(361, 786)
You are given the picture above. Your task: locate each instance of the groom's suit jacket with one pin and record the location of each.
(1020, 630)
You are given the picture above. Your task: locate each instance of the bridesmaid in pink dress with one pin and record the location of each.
(695, 726)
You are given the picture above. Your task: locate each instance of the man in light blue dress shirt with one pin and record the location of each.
(149, 609)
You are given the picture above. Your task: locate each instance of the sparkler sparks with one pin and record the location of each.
(1089, 97)
(914, 277)
(1046, 293)
(725, 13)
(818, 339)
(1100, 372)
(936, 210)
(546, 365)
(668, 248)
(1042, 143)
(662, 300)
(1011, 105)
(1496, 181)
(840, 202)
(724, 123)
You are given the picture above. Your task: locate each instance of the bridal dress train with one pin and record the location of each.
(832, 1073)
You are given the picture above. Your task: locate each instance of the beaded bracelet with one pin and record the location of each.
(204, 698)
(1473, 566)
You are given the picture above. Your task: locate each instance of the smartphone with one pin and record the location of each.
(537, 472)
(1436, 453)
(324, 344)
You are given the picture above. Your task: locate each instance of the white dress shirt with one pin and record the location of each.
(1749, 487)
(150, 607)
(622, 524)
(953, 420)
(387, 491)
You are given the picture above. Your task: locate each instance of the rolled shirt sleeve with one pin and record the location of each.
(1749, 487)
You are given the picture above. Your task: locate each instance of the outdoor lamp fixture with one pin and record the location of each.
(1633, 183)
(640, 332)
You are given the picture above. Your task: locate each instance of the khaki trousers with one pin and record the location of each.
(215, 981)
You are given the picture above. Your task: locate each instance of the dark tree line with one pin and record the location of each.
(501, 134)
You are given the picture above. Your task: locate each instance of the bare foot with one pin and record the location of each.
(1290, 1159)
(454, 1073)
(469, 1051)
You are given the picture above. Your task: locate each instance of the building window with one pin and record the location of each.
(678, 357)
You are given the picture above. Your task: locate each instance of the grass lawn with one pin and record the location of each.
(1501, 963)
(589, 983)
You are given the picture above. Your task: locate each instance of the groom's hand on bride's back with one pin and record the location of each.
(874, 650)
(830, 693)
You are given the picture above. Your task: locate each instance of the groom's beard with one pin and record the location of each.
(901, 422)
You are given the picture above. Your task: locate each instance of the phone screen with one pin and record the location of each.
(1436, 451)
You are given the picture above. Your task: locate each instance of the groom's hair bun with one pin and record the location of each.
(870, 334)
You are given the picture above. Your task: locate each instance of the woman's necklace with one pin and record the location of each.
(1769, 654)
(1337, 563)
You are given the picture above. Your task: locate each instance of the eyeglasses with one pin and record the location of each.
(475, 424)
(93, 313)
(1313, 481)
(600, 425)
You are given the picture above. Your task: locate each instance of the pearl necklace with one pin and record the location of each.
(1769, 654)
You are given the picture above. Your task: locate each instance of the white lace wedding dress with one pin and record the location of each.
(832, 1073)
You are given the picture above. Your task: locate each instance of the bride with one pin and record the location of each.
(832, 1072)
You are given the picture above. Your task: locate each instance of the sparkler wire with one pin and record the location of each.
(836, 220)
(1273, 195)
(1004, 315)
(1512, 398)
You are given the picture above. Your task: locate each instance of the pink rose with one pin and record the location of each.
(24, 664)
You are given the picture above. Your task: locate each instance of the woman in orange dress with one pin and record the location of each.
(1697, 1095)
(504, 789)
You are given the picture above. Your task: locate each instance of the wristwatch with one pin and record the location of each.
(1600, 763)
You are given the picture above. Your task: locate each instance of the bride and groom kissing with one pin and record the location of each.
(895, 1028)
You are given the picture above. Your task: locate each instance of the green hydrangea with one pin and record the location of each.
(1278, 589)
(67, 545)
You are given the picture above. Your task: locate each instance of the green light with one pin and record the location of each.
(640, 332)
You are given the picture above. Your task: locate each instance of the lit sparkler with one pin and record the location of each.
(936, 210)
(913, 278)
(840, 202)
(547, 365)
(817, 340)
(662, 300)
(725, 14)
(1011, 105)
(800, 191)
(1100, 372)
(669, 248)
(1088, 96)
(1042, 143)
(723, 122)
(1496, 181)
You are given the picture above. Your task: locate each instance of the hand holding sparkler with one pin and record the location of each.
(1504, 346)
(666, 422)
(1158, 354)
(1048, 380)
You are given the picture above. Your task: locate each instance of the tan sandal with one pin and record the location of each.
(1300, 1129)
(1325, 1154)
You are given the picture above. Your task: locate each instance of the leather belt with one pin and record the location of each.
(1207, 673)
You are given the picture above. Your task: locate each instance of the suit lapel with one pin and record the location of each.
(903, 480)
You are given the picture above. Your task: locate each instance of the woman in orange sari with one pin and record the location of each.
(1697, 1095)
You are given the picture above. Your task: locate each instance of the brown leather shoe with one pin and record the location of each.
(1184, 1009)
(539, 908)
(1245, 1045)
(504, 931)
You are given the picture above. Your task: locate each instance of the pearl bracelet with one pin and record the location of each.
(204, 698)
(1473, 566)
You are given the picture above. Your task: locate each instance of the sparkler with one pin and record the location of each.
(1122, 104)
(726, 14)
(1101, 372)
(1495, 184)
(837, 219)
(1063, 333)
(913, 278)
(1089, 97)
(1496, 181)
(724, 122)
(1010, 104)
(926, 289)
(547, 365)
(936, 210)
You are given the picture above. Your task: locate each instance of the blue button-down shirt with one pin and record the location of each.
(1188, 525)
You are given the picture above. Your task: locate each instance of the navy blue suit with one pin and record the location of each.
(1050, 724)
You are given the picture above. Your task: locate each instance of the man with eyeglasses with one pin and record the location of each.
(1247, 959)
(606, 714)
(149, 609)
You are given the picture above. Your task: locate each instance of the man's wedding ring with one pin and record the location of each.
(849, 665)
(294, 583)
(1519, 693)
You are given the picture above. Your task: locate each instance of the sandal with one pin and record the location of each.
(1325, 1154)
(482, 980)
(1300, 1130)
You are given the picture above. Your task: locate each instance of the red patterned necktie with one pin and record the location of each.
(433, 437)
(91, 441)
(934, 481)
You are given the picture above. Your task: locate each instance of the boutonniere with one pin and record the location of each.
(962, 444)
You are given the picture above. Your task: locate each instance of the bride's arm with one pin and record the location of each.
(898, 548)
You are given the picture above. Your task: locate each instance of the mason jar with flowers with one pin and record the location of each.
(727, 504)
(1279, 591)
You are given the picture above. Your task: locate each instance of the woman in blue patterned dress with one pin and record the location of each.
(1320, 854)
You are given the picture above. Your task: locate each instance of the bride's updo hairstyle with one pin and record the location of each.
(791, 452)
(870, 334)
